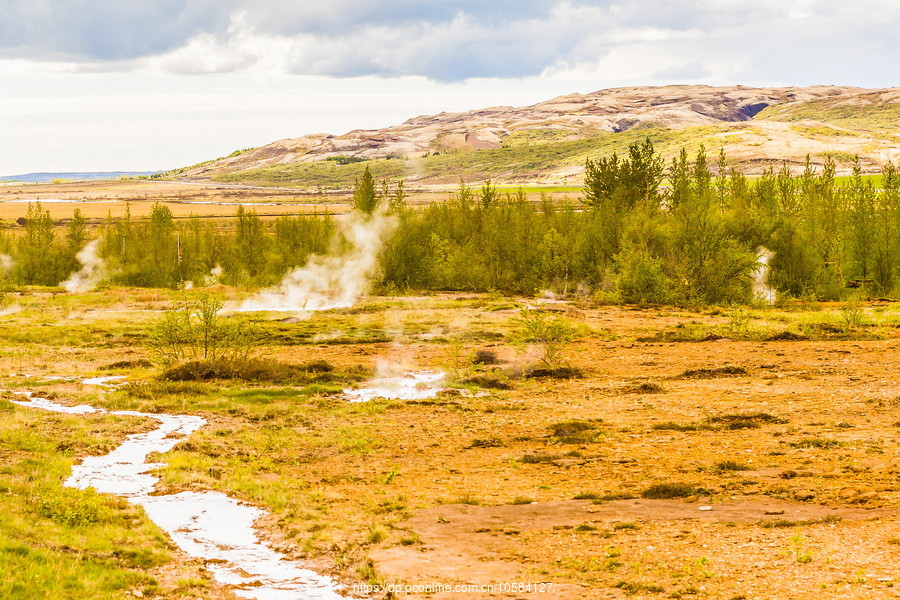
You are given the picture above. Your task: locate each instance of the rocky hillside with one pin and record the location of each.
(549, 141)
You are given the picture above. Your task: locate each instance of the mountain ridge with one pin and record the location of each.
(755, 126)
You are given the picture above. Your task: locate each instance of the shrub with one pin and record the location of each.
(550, 333)
(195, 331)
(661, 491)
(254, 369)
(485, 357)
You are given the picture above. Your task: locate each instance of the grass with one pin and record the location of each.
(865, 116)
(58, 542)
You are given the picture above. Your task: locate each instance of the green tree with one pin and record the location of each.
(365, 194)
(37, 256)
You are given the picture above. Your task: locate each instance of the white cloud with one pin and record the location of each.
(143, 84)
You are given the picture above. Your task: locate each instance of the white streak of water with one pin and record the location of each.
(207, 525)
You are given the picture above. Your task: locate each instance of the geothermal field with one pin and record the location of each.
(318, 438)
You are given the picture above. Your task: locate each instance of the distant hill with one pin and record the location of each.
(549, 141)
(75, 176)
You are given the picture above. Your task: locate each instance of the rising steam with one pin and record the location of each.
(215, 274)
(762, 291)
(6, 264)
(91, 272)
(335, 280)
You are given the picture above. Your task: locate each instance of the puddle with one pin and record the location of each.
(105, 380)
(207, 525)
(409, 386)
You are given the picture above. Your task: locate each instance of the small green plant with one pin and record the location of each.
(738, 321)
(852, 314)
(376, 534)
(551, 334)
(390, 475)
(457, 363)
(798, 549)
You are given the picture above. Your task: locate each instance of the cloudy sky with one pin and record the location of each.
(155, 84)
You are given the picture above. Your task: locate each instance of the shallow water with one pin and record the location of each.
(105, 380)
(409, 386)
(207, 525)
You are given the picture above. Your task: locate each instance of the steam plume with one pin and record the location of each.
(212, 279)
(6, 264)
(91, 272)
(335, 280)
(762, 291)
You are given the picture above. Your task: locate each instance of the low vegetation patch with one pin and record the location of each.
(731, 465)
(260, 370)
(574, 432)
(489, 381)
(816, 443)
(727, 371)
(554, 373)
(662, 491)
(719, 422)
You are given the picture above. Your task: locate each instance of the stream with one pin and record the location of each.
(207, 525)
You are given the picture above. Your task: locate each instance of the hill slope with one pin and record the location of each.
(548, 142)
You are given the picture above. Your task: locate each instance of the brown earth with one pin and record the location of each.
(812, 514)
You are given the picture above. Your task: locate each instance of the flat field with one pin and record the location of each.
(716, 453)
(98, 199)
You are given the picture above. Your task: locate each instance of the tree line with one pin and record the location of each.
(646, 230)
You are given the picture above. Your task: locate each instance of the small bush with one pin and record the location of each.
(587, 496)
(485, 357)
(662, 491)
(550, 333)
(555, 373)
(574, 432)
(490, 382)
(140, 363)
(731, 465)
(520, 500)
(195, 331)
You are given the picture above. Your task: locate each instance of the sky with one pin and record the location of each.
(98, 85)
